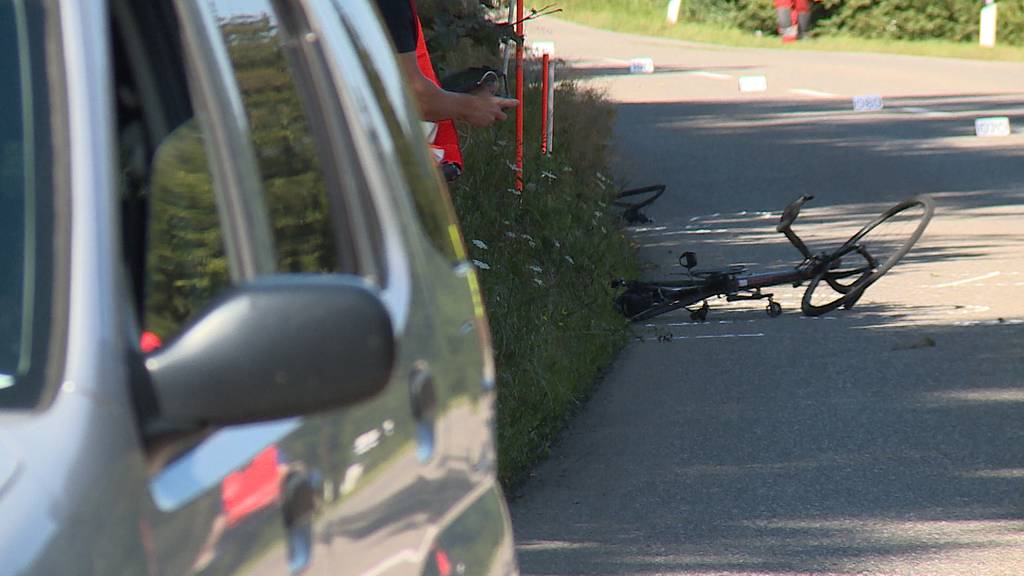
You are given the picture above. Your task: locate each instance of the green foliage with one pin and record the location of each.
(186, 248)
(907, 19)
(186, 258)
(955, 20)
(742, 14)
(293, 182)
(458, 29)
(551, 251)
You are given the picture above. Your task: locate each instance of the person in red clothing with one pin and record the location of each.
(794, 17)
(480, 108)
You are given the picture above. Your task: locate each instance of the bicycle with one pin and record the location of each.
(836, 278)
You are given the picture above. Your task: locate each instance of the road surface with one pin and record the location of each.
(888, 439)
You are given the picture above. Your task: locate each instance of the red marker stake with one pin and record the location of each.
(519, 95)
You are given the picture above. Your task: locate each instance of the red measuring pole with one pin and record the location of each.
(546, 62)
(519, 94)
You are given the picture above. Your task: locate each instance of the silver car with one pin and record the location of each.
(238, 330)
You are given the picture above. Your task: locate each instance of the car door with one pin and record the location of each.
(251, 178)
(466, 528)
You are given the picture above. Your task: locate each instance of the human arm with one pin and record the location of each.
(479, 108)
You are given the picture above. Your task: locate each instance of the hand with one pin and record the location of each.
(482, 109)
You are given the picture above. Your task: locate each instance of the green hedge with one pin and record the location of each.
(547, 254)
(955, 20)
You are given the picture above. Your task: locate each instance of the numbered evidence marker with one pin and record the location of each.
(753, 83)
(995, 126)
(641, 66)
(538, 49)
(870, 103)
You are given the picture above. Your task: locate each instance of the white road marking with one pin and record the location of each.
(967, 280)
(696, 324)
(815, 93)
(706, 337)
(1003, 322)
(712, 75)
(924, 111)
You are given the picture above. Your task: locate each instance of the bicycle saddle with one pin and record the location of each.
(791, 212)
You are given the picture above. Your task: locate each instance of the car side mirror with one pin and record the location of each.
(275, 348)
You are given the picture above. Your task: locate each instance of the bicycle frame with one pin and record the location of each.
(734, 285)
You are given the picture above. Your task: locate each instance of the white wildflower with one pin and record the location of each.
(538, 281)
(569, 259)
(535, 268)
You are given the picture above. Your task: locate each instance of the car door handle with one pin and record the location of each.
(423, 402)
(422, 396)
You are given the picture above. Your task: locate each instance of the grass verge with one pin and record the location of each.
(645, 17)
(546, 255)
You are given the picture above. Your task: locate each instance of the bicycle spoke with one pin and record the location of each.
(885, 242)
(876, 248)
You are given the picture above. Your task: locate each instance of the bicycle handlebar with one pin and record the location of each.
(791, 212)
(789, 216)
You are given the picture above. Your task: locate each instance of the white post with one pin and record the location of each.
(551, 106)
(673, 11)
(989, 14)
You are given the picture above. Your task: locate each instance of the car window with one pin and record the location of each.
(27, 220)
(402, 141)
(293, 179)
(186, 262)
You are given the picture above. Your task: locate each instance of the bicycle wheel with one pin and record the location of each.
(867, 255)
(643, 300)
(690, 297)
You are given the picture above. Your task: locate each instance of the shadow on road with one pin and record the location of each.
(866, 460)
(756, 155)
(889, 435)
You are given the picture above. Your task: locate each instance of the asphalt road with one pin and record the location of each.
(888, 439)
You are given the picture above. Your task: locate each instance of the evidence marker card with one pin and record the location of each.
(538, 49)
(753, 83)
(994, 126)
(641, 66)
(868, 103)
